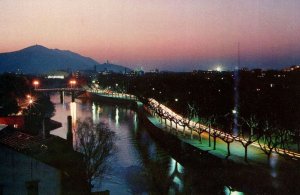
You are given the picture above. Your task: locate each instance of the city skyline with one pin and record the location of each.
(168, 35)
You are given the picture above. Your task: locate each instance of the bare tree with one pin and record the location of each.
(297, 138)
(286, 142)
(198, 129)
(209, 122)
(269, 139)
(215, 134)
(228, 139)
(96, 143)
(248, 138)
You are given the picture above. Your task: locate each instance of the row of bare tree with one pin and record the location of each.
(246, 131)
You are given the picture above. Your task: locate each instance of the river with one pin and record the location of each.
(142, 166)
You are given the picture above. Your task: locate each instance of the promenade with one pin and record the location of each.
(256, 156)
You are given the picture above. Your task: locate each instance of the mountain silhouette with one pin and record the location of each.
(38, 59)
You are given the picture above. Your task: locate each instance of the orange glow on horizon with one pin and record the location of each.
(154, 33)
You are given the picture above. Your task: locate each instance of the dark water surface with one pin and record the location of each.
(142, 166)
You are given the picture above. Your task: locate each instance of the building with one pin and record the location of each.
(33, 165)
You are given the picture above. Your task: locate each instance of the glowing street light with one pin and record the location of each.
(176, 99)
(36, 83)
(234, 111)
(30, 100)
(72, 82)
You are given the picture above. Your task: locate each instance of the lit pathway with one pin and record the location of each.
(255, 155)
(115, 95)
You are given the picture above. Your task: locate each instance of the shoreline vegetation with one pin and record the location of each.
(188, 133)
(193, 140)
(185, 146)
(190, 151)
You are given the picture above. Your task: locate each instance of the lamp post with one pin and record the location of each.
(117, 89)
(36, 84)
(72, 82)
(30, 102)
(29, 99)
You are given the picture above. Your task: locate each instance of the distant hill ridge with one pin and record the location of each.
(39, 59)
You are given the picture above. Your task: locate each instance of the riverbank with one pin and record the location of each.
(255, 155)
(188, 148)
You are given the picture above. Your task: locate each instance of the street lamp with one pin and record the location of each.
(29, 99)
(72, 82)
(116, 89)
(36, 84)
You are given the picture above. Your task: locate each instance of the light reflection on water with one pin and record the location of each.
(140, 165)
(73, 106)
(128, 165)
(117, 117)
(229, 191)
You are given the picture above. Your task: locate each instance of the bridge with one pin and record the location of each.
(62, 91)
(187, 127)
(59, 89)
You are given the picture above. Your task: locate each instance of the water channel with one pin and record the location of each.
(142, 166)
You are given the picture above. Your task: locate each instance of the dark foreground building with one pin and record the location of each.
(32, 165)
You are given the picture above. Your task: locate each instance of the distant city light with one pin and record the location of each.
(219, 69)
(55, 77)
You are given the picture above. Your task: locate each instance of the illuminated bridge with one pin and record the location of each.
(59, 89)
(74, 92)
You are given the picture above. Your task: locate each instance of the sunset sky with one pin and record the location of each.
(165, 34)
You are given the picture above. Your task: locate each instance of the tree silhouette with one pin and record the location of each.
(36, 113)
(246, 138)
(269, 139)
(96, 143)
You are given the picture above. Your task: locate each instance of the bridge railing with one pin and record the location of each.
(60, 89)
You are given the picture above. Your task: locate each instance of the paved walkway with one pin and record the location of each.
(255, 155)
